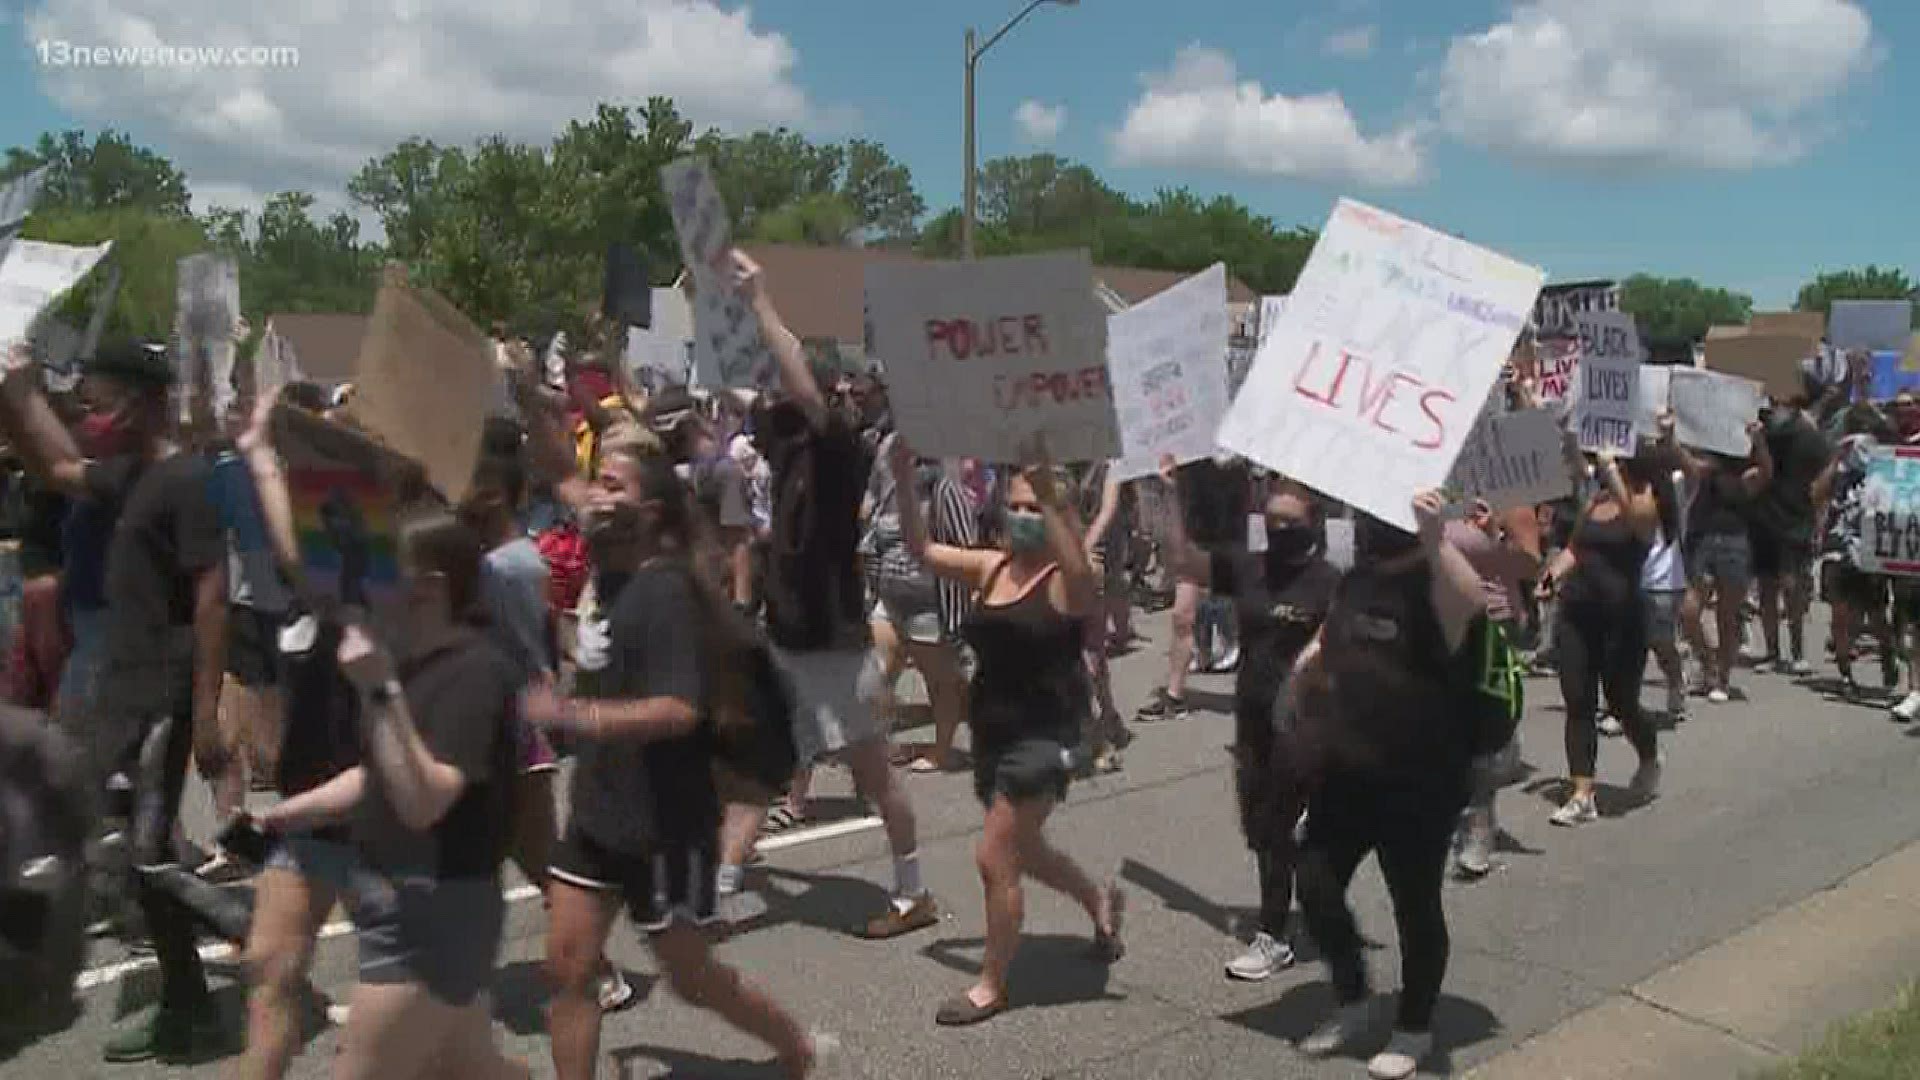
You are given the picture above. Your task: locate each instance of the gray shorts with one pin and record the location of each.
(1726, 559)
(834, 712)
(1663, 617)
(915, 622)
(443, 935)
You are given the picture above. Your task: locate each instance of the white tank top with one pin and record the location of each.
(1665, 569)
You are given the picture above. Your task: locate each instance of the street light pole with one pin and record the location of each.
(973, 61)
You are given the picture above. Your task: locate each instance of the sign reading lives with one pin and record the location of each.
(981, 356)
(1391, 341)
(1890, 512)
(1168, 358)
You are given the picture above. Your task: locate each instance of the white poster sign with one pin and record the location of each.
(1653, 395)
(1610, 335)
(1607, 413)
(1874, 325)
(1272, 310)
(206, 309)
(1168, 361)
(1890, 512)
(1711, 411)
(33, 275)
(727, 347)
(1559, 363)
(16, 202)
(981, 356)
(1392, 339)
(1512, 460)
(656, 359)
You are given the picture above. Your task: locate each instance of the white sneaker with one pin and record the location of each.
(1719, 696)
(1345, 1025)
(1402, 1056)
(1796, 668)
(1578, 810)
(1610, 727)
(1264, 956)
(1909, 709)
(615, 992)
(1645, 785)
(1475, 859)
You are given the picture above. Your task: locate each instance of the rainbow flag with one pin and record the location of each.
(346, 523)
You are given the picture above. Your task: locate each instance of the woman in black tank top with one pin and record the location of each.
(1602, 630)
(1030, 698)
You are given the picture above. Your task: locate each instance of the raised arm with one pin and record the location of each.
(1759, 473)
(1076, 589)
(29, 423)
(421, 787)
(1180, 554)
(1458, 595)
(796, 375)
(966, 565)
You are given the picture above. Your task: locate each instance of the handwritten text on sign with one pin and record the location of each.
(1609, 405)
(1168, 356)
(1890, 512)
(1559, 360)
(1392, 339)
(983, 355)
(1512, 460)
(727, 347)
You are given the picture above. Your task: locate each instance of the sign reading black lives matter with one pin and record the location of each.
(1890, 512)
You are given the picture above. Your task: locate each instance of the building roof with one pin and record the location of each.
(820, 290)
(325, 345)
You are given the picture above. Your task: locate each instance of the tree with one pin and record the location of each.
(1681, 309)
(769, 171)
(147, 246)
(816, 220)
(1873, 283)
(880, 193)
(402, 186)
(107, 174)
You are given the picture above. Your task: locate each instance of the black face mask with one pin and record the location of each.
(1376, 541)
(1289, 547)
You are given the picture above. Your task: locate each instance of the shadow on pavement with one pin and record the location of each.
(520, 995)
(1209, 701)
(1457, 1023)
(632, 1063)
(828, 901)
(1049, 969)
(1177, 897)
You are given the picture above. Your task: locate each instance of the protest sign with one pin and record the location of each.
(1653, 395)
(1610, 335)
(1772, 360)
(1890, 512)
(1512, 460)
(1272, 309)
(206, 308)
(983, 355)
(1890, 376)
(1910, 360)
(424, 383)
(1805, 324)
(727, 346)
(1873, 325)
(32, 276)
(656, 359)
(345, 491)
(1559, 362)
(1711, 411)
(16, 202)
(1167, 359)
(1606, 414)
(625, 296)
(1717, 333)
(1392, 339)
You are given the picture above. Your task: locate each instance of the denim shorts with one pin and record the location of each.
(443, 935)
(1663, 616)
(1726, 559)
(317, 858)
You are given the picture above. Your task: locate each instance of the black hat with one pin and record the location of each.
(134, 361)
(667, 409)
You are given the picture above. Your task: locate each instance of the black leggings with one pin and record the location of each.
(1411, 829)
(1602, 646)
(1270, 805)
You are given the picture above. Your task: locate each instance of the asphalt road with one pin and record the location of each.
(1767, 801)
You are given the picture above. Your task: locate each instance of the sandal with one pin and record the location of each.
(960, 1011)
(780, 819)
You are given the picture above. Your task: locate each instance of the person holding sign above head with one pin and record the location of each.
(1719, 553)
(1783, 527)
(1282, 594)
(1852, 592)
(1602, 631)
(1388, 728)
(1030, 699)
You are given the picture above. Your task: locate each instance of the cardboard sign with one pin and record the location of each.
(727, 346)
(206, 307)
(625, 296)
(1718, 333)
(1512, 460)
(1392, 339)
(1711, 411)
(1610, 335)
(1890, 512)
(982, 356)
(16, 202)
(1805, 324)
(33, 275)
(1654, 379)
(424, 383)
(1873, 325)
(1910, 360)
(1559, 362)
(1772, 360)
(1167, 357)
(345, 491)
(1607, 414)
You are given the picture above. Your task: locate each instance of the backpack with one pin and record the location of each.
(1489, 687)
(757, 744)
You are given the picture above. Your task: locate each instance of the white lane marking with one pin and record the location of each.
(120, 969)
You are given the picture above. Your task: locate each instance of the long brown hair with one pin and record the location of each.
(435, 541)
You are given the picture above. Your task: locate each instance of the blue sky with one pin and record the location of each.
(1749, 143)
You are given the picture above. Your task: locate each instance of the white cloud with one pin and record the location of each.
(1039, 123)
(1354, 41)
(1725, 84)
(1200, 114)
(373, 72)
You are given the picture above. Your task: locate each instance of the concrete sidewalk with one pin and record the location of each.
(1761, 996)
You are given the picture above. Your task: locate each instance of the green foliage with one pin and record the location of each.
(1881, 1045)
(1873, 283)
(146, 247)
(1680, 309)
(108, 173)
(769, 173)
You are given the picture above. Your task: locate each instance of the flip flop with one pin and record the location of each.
(780, 819)
(960, 1011)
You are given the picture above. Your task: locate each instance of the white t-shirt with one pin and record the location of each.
(1666, 568)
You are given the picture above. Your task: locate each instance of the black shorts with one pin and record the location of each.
(672, 884)
(253, 647)
(1775, 557)
(1854, 587)
(1027, 768)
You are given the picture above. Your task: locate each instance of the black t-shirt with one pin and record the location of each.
(166, 533)
(1722, 505)
(320, 728)
(464, 697)
(815, 596)
(1213, 498)
(1800, 454)
(1277, 620)
(643, 796)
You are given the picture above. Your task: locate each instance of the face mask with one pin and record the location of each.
(105, 434)
(1026, 532)
(612, 524)
(1376, 541)
(1289, 545)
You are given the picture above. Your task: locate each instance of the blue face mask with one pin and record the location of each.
(1026, 531)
